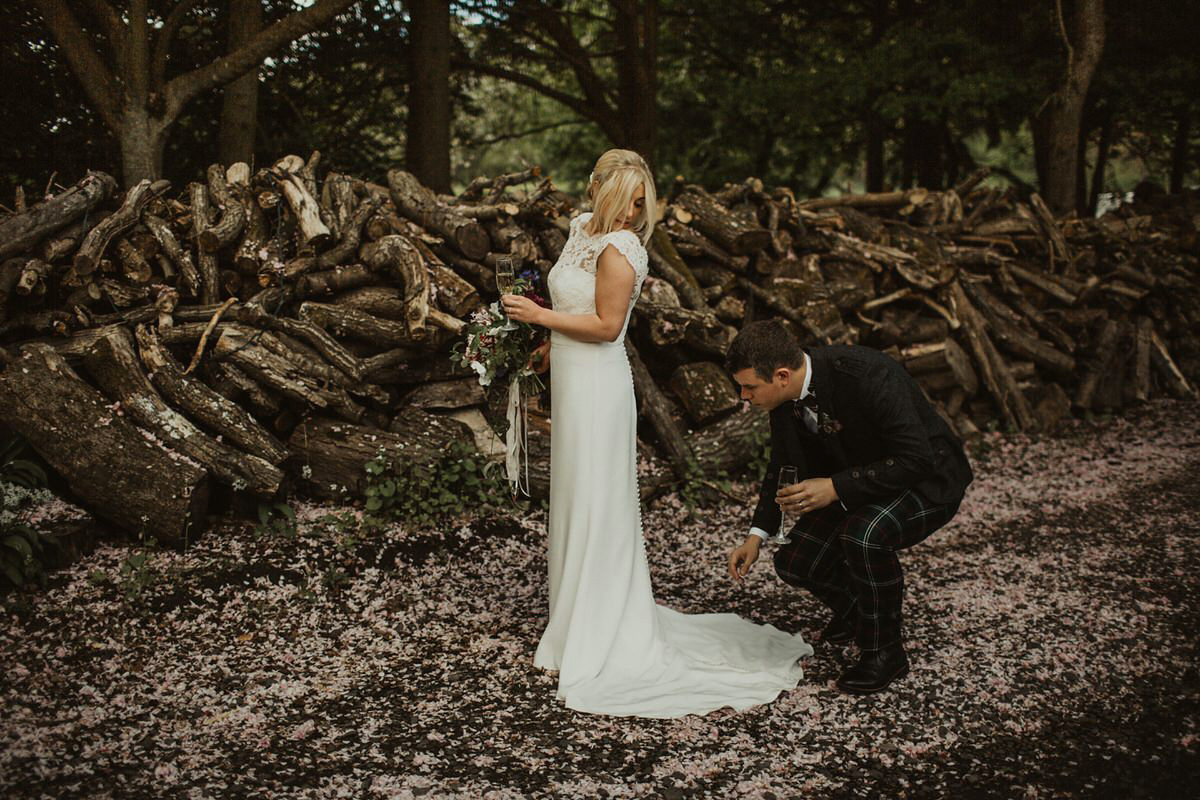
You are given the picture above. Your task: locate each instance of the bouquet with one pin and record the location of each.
(498, 350)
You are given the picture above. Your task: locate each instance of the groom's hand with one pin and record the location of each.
(742, 558)
(805, 496)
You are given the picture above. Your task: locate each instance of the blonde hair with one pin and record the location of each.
(610, 187)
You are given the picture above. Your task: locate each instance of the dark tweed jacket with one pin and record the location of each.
(877, 436)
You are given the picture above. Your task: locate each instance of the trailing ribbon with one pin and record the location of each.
(516, 438)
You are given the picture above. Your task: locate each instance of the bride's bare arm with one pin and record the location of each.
(614, 287)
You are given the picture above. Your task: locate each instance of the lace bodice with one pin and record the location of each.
(572, 281)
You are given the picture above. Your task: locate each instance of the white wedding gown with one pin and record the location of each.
(616, 650)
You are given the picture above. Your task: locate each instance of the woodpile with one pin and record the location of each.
(265, 333)
(1003, 314)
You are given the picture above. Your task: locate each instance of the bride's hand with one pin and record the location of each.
(520, 309)
(539, 360)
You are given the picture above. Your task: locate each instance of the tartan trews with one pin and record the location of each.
(848, 560)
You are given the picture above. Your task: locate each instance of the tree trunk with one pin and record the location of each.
(1086, 126)
(142, 140)
(875, 136)
(1179, 150)
(636, 27)
(1056, 127)
(927, 153)
(1102, 150)
(239, 112)
(130, 92)
(427, 152)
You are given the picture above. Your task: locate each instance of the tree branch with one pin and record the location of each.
(1062, 31)
(93, 74)
(183, 88)
(576, 55)
(162, 43)
(504, 137)
(577, 104)
(137, 74)
(114, 31)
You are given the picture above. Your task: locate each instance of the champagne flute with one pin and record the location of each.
(506, 277)
(788, 476)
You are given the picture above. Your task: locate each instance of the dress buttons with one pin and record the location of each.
(870, 473)
(891, 462)
(855, 474)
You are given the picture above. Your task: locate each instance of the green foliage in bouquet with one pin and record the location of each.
(24, 551)
(425, 495)
(497, 349)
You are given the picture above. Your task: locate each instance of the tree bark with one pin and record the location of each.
(217, 413)
(1057, 125)
(427, 149)
(1102, 150)
(327, 456)
(94, 244)
(636, 26)
(397, 256)
(419, 204)
(239, 108)
(115, 366)
(115, 471)
(206, 267)
(20, 232)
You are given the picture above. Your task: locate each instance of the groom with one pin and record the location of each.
(879, 471)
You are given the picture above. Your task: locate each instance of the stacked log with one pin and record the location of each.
(1005, 315)
(270, 331)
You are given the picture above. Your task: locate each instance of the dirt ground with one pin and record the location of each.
(1052, 628)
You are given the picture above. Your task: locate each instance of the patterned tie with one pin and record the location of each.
(808, 403)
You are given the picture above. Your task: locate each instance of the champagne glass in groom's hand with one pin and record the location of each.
(788, 476)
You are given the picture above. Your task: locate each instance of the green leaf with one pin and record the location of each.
(374, 504)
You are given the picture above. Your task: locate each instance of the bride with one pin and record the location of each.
(615, 650)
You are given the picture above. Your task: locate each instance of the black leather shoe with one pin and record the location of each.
(840, 630)
(874, 671)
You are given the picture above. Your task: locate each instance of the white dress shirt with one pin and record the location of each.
(810, 421)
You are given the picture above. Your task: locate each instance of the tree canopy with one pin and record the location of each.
(821, 96)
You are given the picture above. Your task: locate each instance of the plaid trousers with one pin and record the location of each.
(848, 560)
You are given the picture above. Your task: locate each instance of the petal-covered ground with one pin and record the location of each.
(1052, 627)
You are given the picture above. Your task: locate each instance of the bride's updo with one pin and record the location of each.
(612, 183)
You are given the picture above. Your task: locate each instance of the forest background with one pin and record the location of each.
(821, 96)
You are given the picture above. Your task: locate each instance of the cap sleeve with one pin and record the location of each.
(629, 246)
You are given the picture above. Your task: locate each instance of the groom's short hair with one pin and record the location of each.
(764, 346)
